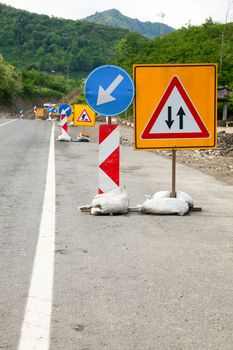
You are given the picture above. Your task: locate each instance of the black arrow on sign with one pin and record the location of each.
(169, 121)
(181, 115)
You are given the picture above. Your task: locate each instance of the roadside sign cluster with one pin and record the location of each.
(175, 106)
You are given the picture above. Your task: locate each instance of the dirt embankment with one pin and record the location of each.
(217, 162)
(27, 105)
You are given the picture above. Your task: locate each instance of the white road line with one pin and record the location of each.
(35, 331)
(11, 121)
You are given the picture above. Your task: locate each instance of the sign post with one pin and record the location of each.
(175, 108)
(173, 192)
(109, 91)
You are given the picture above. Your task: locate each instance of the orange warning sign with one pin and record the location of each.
(175, 106)
(39, 112)
(83, 115)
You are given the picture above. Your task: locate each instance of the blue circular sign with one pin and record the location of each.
(52, 109)
(109, 90)
(65, 109)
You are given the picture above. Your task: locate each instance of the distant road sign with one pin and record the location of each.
(83, 115)
(39, 112)
(52, 109)
(65, 109)
(109, 90)
(175, 106)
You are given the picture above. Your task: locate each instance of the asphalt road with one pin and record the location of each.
(131, 282)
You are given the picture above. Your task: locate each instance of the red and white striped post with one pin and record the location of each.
(109, 157)
(64, 128)
(64, 124)
(34, 110)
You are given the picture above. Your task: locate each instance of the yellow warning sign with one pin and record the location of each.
(83, 115)
(175, 106)
(40, 112)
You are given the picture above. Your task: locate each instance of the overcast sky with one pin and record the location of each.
(178, 13)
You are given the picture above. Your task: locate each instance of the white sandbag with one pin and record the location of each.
(112, 202)
(186, 197)
(165, 206)
(65, 137)
(162, 194)
(179, 194)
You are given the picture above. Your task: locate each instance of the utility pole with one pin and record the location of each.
(223, 37)
(162, 15)
(68, 75)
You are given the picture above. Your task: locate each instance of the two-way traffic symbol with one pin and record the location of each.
(181, 115)
(175, 116)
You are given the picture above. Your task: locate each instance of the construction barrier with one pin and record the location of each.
(64, 111)
(109, 157)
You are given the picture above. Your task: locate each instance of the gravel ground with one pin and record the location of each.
(217, 162)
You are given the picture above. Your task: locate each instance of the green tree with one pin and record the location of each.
(194, 44)
(129, 50)
(10, 82)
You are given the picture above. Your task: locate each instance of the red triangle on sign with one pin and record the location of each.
(84, 117)
(175, 101)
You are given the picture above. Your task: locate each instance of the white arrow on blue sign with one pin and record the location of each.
(52, 109)
(109, 90)
(65, 109)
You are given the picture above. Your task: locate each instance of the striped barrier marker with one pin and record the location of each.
(109, 157)
(64, 129)
(34, 110)
(64, 126)
(64, 111)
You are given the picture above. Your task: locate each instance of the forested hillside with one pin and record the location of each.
(54, 45)
(115, 19)
(31, 85)
(208, 43)
(43, 57)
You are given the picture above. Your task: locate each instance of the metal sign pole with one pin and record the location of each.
(173, 193)
(109, 120)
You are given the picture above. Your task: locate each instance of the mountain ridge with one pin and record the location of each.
(115, 18)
